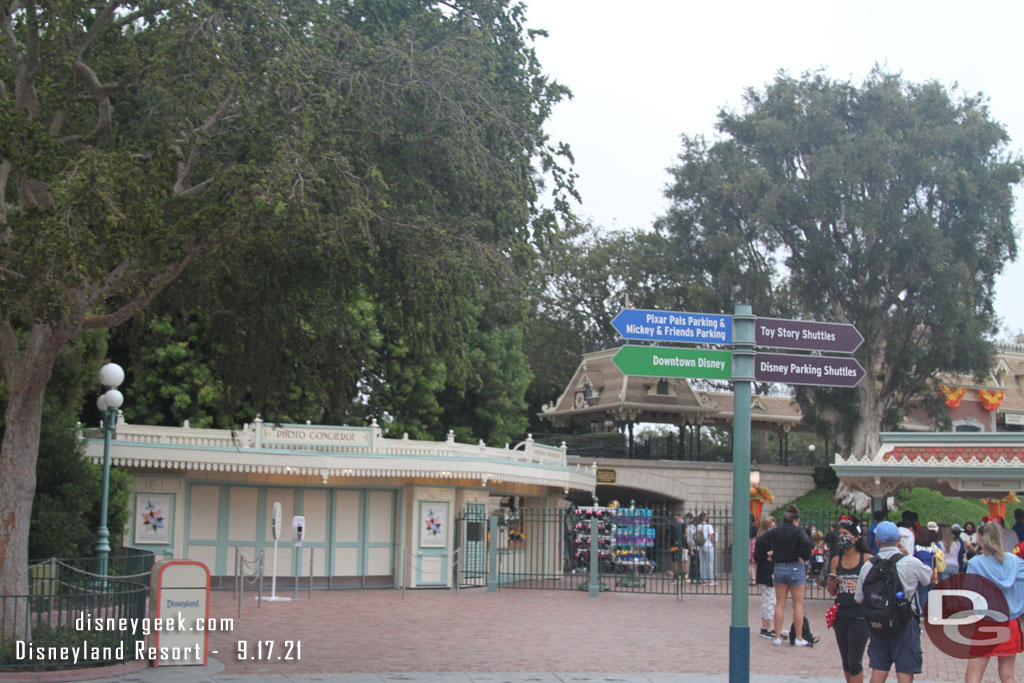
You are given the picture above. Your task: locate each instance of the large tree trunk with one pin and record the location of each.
(26, 376)
(866, 439)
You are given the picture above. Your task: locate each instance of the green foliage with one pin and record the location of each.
(935, 506)
(817, 507)
(66, 506)
(173, 381)
(391, 268)
(492, 406)
(67, 490)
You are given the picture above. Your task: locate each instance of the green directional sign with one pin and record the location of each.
(654, 361)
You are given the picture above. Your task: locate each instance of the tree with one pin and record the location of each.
(886, 205)
(138, 139)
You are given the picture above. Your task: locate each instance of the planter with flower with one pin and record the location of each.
(997, 506)
(759, 495)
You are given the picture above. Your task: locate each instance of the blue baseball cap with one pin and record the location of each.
(887, 532)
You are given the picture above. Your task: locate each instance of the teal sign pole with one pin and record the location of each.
(742, 375)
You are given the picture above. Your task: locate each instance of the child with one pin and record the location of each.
(818, 554)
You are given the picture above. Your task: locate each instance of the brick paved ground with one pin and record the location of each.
(521, 630)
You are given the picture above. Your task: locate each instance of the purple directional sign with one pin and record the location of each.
(806, 335)
(821, 371)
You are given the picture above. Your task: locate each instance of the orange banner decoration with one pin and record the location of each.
(991, 400)
(954, 395)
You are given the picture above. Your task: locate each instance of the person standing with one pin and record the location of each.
(878, 516)
(691, 529)
(832, 541)
(925, 551)
(763, 577)
(1018, 524)
(1010, 539)
(1006, 570)
(969, 537)
(902, 650)
(850, 625)
(680, 549)
(791, 548)
(707, 550)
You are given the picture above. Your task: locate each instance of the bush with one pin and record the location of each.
(930, 505)
(816, 507)
(934, 506)
(826, 478)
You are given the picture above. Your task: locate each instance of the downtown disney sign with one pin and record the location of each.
(743, 365)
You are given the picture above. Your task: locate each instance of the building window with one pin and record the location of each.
(662, 389)
(968, 424)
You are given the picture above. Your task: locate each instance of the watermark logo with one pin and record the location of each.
(966, 616)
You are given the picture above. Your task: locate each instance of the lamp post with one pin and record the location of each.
(111, 376)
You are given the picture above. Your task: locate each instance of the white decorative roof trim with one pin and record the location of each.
(528, 463)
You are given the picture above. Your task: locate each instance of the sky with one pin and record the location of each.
(644, 73)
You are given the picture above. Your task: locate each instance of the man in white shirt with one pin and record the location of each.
(903, 649)
(707, 551)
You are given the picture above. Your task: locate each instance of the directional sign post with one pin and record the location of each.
(807, 335)
(820, 371)
(707, 328)
(672, 326)
(654, 361)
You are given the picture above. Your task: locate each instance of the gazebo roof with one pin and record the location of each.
(599, 391)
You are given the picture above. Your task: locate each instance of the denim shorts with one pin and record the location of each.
(790, 574)
(902, 649)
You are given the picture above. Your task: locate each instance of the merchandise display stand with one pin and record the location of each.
(584, 519)
(633, 535)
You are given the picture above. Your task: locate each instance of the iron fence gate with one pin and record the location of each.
(639, 550)
(470, 564)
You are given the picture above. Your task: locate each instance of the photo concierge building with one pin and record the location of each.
(378, 511)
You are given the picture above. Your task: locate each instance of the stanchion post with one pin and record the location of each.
(595, 580)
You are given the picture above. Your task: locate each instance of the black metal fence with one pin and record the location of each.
(74, 617)
(639, 550)
(687, 446)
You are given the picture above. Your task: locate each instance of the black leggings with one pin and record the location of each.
(852, 639)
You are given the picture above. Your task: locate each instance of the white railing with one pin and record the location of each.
(526, 452)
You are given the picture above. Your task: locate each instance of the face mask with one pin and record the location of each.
(845, 542)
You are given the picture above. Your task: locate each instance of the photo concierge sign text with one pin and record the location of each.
(316, 435)
(967, 616)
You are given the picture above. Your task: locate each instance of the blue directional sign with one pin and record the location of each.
(672, 326)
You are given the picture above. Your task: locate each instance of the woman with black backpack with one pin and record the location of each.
(850, 626)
